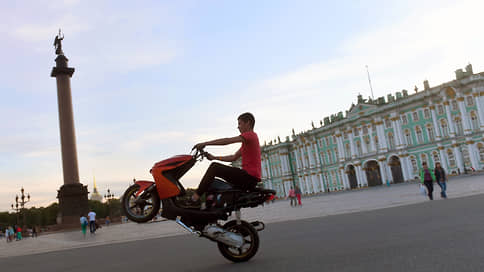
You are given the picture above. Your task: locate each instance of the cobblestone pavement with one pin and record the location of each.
(313, 206)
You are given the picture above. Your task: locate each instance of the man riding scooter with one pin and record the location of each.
(245, 178)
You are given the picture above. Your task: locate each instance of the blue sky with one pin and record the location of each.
(155, 77)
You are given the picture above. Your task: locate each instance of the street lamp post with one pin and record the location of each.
(109, 196)
(21, 203)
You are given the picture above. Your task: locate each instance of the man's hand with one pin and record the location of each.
(199, 146)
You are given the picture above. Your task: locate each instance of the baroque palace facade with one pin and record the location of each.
(384, 140)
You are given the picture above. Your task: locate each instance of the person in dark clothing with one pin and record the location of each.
(427, 177)
(441, 179)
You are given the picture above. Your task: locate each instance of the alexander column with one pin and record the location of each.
(73, 194)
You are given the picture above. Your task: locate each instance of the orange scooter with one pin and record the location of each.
(237, 240)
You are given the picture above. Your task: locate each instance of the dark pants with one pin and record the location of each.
(430, 188)
(92, 226)
(235, 176)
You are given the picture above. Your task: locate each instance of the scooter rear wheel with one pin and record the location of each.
(140, 209)
(251, 242)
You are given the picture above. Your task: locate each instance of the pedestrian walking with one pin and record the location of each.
(7, 235)
(298, 195)
(441, 178)
(11, 233)
(92, 221)
(34, 232)
(108, 220)
(292, 196)
(427, 177)
(19, 233)
(84, 224)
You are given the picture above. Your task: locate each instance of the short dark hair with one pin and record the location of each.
(424, 163)
(247, 117)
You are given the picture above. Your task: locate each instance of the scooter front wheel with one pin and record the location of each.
(140, 209)
(250, 246)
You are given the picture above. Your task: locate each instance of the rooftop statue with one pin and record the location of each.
(58, 43)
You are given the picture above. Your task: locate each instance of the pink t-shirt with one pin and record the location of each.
(250, 149)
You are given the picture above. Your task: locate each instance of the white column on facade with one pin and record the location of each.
(471, 148)
(404, 165)
(363, 177)
(408, 167)
(312, 163)
(345, 178)
(434, 122)
(307, 182)
(382, 142)
(362, 141)
(397, 131)
(372, 140)
(480, 109)
(283, 164)
(450, 122)
(359, 175)
(314, 180)
(458, 157)
(383, 171)
(352, 143)
(341, 151)
(464, 116)
(443, 158)
(321, 181)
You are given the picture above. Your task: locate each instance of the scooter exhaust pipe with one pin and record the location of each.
(221, 235)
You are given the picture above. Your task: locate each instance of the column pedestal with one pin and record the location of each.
(72, 199)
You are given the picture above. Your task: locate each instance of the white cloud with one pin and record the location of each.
(428, 44)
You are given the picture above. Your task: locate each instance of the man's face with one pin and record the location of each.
(424, 166)
(243, 126)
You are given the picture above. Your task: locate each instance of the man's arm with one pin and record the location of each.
(229, 158)
(221, 141)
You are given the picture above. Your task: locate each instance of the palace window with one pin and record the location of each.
(444, 128)
(423, 158)
(365, 130)
(420, 138)
(415, 116)
(330, 160)
(470, 101)
(347, 151)
(465, 155)
(413, 160)
(345, 136)
(440, 109)
(391, 141)
(358, 148)
(388, 123)
(458, 124)
(334, 139)
(367, 143)
(435, 156)
(450, 156)
(376, 141)
(454, 105)
(474, 121)
(404, 119)
(356, 132)
(336, 154)
(426, 113)
(480, 146)
(408, 137)
(430, 133)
